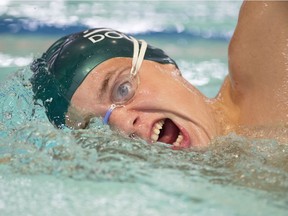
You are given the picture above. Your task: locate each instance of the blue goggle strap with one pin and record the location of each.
(108, 113)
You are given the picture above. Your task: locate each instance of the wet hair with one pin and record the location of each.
(64, 66)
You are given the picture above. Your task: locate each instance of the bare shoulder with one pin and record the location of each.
(258, 61)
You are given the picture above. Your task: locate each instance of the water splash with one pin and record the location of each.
(34, 153)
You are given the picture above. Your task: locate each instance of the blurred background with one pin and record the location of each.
(195, 33)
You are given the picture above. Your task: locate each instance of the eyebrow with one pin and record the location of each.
(105, 83)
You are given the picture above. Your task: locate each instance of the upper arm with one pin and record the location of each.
(258, 51)
(258, 62)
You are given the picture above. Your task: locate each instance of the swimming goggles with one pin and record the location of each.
(137, 60)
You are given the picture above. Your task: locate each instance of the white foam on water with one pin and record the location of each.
(128, 16)
(7, 60)
(62, 172)
(204, 72)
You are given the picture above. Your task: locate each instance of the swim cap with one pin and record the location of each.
(64, 66)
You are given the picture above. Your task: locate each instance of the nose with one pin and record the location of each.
(125, 121)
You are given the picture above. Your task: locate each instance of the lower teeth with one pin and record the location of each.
(178, 140)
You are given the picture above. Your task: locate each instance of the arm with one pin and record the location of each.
(258, 61)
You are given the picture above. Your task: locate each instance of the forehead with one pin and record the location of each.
(108, 67)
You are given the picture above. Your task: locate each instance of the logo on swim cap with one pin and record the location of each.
(95, 36)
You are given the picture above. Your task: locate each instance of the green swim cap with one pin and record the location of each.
(64, 66)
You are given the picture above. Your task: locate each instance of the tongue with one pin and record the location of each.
(169, 132)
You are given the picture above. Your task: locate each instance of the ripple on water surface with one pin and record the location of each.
(83, 171)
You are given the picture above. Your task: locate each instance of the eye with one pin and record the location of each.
(123, 92)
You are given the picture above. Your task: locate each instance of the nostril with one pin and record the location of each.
(135, 121)
(132, 136)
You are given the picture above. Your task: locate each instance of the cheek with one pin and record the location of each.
(85, 102)
(164, 87)
(152, 93)
(161, 85)
(160, 94)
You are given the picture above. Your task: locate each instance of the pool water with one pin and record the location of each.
(45, 171)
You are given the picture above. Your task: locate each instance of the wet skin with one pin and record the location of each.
(258, 69)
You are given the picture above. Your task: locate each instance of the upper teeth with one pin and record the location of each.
(156, 130)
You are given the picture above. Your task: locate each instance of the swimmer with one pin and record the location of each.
(139, 91)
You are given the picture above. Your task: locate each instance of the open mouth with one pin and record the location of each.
(167, 132)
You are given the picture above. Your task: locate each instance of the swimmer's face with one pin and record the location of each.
(164, 107)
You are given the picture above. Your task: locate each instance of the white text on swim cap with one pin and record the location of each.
(95, 37)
